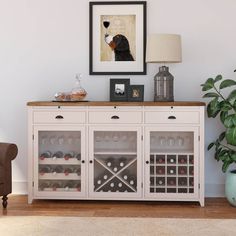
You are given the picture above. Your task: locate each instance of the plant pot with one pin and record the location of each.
(230, 187)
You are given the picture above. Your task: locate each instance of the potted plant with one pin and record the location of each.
(222, 104)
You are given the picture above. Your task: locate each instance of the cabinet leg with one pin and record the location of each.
(202, 202)
(4, 201)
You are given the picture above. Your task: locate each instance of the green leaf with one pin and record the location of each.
(210, 95)
(213, 108)
(209, 84)
(222, 136)
(227, 83)
(232, 95)
(231, 136)
(218, 77)
(218, 150)
(233, 157)
(210, 146)
(225, 106)
(226, 165)
(230, 121)
(223, 116)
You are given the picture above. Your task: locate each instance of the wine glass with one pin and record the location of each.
(106, 24)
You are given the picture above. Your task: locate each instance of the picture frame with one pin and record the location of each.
(117, 38)
(119, 90)
(136, 93)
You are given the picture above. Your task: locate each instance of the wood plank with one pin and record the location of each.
(216, 208)
(106, 103)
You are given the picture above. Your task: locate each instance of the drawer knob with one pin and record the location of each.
(83, 161)
(115, 117)
(90, 161)
(147, 162)
(171, 117)
(59, 117)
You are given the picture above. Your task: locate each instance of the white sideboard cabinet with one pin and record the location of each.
(150, 151)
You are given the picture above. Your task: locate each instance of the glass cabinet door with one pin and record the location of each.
(60, 161)
(171, 163)
(115, 164)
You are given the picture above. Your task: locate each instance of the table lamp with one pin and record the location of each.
(164, 48)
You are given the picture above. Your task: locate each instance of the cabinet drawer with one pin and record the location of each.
(59, 117)
(115, 117)
(178, 117)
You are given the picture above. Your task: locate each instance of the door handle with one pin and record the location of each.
(59, 117)
(171, 117)
(115, 117)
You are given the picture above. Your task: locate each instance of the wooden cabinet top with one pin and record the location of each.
(106, 103)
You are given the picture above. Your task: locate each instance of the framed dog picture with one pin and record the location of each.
(117, 32)
(119, 90)
(136, 93)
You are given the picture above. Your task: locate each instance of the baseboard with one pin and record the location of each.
(211, 190)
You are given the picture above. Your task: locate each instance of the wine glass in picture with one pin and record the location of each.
(106, 24)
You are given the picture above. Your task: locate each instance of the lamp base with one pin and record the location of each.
(163, 85)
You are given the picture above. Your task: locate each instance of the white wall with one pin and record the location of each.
(43, 43)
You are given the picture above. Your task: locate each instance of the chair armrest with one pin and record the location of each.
(8, 152)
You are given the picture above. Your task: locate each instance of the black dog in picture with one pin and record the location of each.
(120, 45)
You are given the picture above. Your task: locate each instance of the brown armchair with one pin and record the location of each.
(8, 152)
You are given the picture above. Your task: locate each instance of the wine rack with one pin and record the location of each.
(120, 176)
(171, 173)
(115, 161)
(59, 161)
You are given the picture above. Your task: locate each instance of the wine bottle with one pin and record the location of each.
(56, 185)
(171, 182)
(105, 177)
(77, 171)
(112, 185)
(44, 169)
(44, 155)
(115, 169)
(69, 155)
(58, 169)
(77, 186)
(78, 156)
(68, 170)
(132, 180)
(99, 182)
(110, 162)
(69, 185)
(44, 185)
(125, 175)
(182, 171)
(57, 154)
(120, 185)
(122, 161)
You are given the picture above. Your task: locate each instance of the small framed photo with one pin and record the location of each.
(119, 90)
(136, 93)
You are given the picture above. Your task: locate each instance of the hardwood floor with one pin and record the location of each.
(215, 208)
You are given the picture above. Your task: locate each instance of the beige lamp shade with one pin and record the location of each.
(164, 48)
